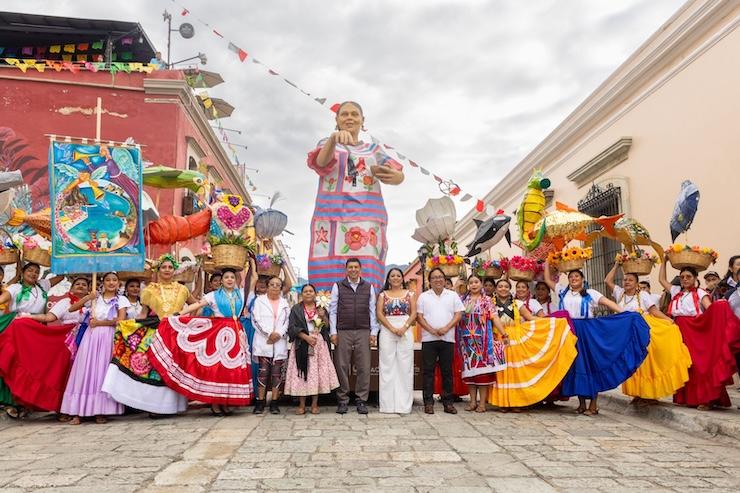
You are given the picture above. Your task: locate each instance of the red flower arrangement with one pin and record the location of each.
(520, 263)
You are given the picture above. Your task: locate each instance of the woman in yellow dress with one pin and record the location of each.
(539, 354)
(666, 367)
(131, 380)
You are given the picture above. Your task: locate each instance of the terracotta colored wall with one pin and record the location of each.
(33, 105)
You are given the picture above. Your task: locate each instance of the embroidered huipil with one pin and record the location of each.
(349, 218)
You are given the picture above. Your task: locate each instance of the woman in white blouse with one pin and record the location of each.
(68, 310)
(270, 343)
(29, 296)
(83, 395)
(524, 295)
(579, 301)
(665, 369)
(712, 364)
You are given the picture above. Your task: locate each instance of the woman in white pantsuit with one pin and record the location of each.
(396, 312)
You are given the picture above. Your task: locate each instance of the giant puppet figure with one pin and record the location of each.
(349, 219)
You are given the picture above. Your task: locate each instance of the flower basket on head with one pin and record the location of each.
(187, 271)
(37, 255)
(269, 265)
(9, 253)
(450, 264)
(450, 270)
(145, 276)
(230, 251)
(229, 256)
(185, 277)
(638, 262)
(487, 269)
(209, 266)
(520, 268)
(9, 256)
(571, 265)
(570, 258)
(699, 258)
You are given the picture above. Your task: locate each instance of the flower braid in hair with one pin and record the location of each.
(167, 257)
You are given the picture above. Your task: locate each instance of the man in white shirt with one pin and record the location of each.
(353, 328)
(438, 312)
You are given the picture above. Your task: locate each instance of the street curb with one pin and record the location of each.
(724, 422)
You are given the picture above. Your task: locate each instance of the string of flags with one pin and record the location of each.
(68, 52)
(446, 185)
(208, 104)
(41, 65)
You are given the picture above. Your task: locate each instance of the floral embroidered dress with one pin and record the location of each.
(131, 379)
(349, 219)
(482, 354)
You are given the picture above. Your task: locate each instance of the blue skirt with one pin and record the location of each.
(610, 350)
(249, 329)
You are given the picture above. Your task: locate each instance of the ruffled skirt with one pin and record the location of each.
(34, 363)
(538, 356)
(131, 379)
(712, 362)
(610, 350)
(666, 368)
(84, 395)
(205, 359)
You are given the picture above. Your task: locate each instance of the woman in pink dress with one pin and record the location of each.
(310, 369)
(84, 395)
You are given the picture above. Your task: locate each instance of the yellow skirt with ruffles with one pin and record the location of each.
(666, 368)
(538, 356)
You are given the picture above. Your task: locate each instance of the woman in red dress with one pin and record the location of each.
(703, 328)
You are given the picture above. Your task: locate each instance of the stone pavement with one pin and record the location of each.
(541, 450)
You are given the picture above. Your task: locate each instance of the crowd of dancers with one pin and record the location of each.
(506, 345)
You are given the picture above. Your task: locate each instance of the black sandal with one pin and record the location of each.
(218, 414)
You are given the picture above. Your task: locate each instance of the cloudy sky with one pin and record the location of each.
(466, 88)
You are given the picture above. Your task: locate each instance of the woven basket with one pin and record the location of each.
(450, 270)
(185, 277)
(208, 266)
(569, 265)
(493, 273)
(690, 258)
(639, 267)
(272, 271)
(521, 275)
(229, 256)
(145, 276)
(37, 255)
(9, 256)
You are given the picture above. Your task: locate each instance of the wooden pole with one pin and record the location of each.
(98, 123)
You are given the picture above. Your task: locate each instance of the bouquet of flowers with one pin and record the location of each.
(700, 258)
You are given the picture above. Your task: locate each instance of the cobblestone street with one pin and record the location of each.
(537, 451)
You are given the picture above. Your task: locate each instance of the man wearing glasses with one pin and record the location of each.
(438, 312)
